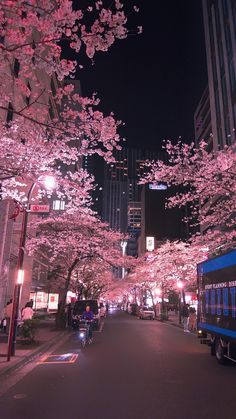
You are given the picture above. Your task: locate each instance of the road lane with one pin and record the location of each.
(134, 370)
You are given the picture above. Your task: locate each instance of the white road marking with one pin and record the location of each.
(20, 396)
(18, 374)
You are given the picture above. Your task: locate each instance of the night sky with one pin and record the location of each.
(153, 81)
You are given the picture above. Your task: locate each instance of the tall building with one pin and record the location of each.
(35, 269)
(116, 192)
(202, 120)
(121, 189)
(134, 216)
(220, 39)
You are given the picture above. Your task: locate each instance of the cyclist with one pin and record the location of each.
(88, 315)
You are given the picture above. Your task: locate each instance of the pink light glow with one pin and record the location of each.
(180, 284)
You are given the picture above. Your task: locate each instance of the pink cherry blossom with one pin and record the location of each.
(207, 186)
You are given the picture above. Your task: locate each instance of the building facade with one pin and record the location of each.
(202, 121)
(121, 189)
(220, 39)
(10, 227)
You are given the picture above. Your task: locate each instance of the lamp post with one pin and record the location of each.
(49, 183)
(123, 245)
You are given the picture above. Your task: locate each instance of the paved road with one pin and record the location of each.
(134, 370)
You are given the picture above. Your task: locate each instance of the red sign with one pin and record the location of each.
(39, 208)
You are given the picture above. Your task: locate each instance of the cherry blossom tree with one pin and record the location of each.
(207, 184)
(74, 243)
(159, 271)
(42, 119)
(93, 278)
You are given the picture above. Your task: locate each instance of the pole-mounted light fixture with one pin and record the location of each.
(49, 182)
(20, 277)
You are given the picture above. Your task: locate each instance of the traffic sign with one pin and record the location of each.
(39, 208)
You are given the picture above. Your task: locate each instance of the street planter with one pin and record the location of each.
(27, 331)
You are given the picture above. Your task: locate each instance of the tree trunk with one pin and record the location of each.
(164, 312)
(61, 313)
(153, 303)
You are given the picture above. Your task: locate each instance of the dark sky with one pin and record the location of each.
(153, 81)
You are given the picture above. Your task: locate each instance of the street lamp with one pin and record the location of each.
(20, 277)
(49, 183)
(123, 245)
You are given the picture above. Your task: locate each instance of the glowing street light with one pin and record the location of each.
(123, 245)
(49, 183)
(180, 285)
(20, 277)
(158, 292)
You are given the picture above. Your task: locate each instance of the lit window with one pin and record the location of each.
(58, 205)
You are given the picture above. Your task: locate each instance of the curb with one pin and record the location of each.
(177, 325)
(25, 360)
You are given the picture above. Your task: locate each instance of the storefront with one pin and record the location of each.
(43, 301)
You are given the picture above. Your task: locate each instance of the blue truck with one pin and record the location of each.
(216, 318)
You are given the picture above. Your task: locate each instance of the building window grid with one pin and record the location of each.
(225, 8)
(219, 129)
(232, 77)
(233, 5)
(213, 57)
(226, 109)
(219, 39)
(228, 40)
(58, 205)
(216, 36)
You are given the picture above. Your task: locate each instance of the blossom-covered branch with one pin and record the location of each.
(207, 184)
(43, 119)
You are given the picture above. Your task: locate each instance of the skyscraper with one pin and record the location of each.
(202, 120)
(220, 39)
(121, 189)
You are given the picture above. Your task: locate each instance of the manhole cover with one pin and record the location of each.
(59, 359)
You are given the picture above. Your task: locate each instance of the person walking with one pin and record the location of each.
(192, 319)
(185, 315)
(27, 313)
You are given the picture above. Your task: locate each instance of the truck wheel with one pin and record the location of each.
(220, 351)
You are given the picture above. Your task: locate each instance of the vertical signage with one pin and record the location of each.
(150, 245)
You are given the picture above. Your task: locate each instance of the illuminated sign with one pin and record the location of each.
(150, 245)
(157, 186)
(43, 300)
(39, 208)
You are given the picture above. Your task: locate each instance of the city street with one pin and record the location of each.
(117, 189)
(133, 370)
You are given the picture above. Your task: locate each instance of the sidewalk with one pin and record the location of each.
(46, 336)
(174, 320)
